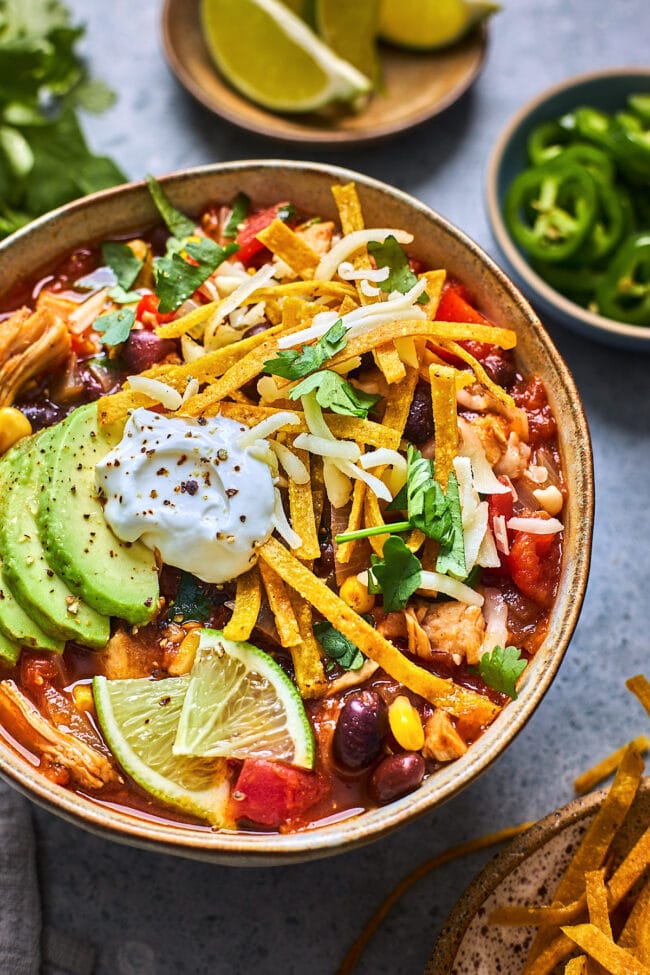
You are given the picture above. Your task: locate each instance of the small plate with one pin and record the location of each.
(418, 86)
(526, 872)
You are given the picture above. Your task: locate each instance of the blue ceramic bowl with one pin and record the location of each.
(606, 90)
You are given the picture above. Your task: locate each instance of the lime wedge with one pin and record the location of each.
(241, 704)
(139, 720)
(349, 28)
(270, 55)
(428, 24)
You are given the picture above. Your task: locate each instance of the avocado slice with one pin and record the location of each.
(9, 651)
(41, 593)
(18, 626)
(114, 577)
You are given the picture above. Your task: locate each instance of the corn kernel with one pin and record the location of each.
(355, 594)
(82, 695)
(406, 725)
(14, 425)
(183, 659)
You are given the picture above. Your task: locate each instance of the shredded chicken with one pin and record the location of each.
(352, 678)
(419, 643)
(454, 628)
(31, 343)
(493, 431)
(126, 656)
(318, 236)
(87, 767)
(514, 461)
(441, 740)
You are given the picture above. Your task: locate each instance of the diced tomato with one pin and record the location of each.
(534, 563)
(147, 312)
(500, 504)
(253, 225)
(454, 307)
(530, 395)
(270, 793)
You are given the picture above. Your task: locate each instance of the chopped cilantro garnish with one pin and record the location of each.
(177, 279)
(176, 222)
(240, 207)
(451, 555)
(291, 364)
(115, 326)
(286, 212)
(337, 393)
(191, 601)
(337, 647)
(501, 668)
(122, 297)
(400, 278)
(397, 575)
(122, 262)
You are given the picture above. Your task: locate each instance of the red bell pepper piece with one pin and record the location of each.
(455, 307)
(249, 245)
(534, 561)
(270, 793)
(147, 312)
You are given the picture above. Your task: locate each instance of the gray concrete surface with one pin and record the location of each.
(147, 913)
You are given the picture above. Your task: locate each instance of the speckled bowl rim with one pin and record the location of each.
(263, 848)
(603, 326)
(485, 884)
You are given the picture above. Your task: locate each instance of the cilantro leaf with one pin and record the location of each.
(116, 325)
(92, 95)
(391, 255)
(191, 601)
(337, 393)
(122, 262)
(291, 364)
(240, 207)
(451, 556)
(337, 647)
(177, 223)
(122, 297)
(397, 575)
(177, 279)
(500, 669)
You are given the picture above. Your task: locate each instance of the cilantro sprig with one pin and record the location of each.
(240, 207)
(338, 648)
(294, 364)
(178, 224)
(400, 277)
(501, 668)
(396, 575)
(177, 278)
(336, 393)
(115, 326)
(122, 262)
(44, 158)
(191, 601)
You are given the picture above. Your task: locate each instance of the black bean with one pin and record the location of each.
(500, 367)
(143, 349)
(360, 729)
(419, 426)
(255, 330)
(395, 776)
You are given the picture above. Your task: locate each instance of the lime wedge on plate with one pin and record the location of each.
(241, 704)
(430, 24)
(270, 55)
(139, 720)
(349, 28)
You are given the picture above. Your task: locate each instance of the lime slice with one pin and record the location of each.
(139, 720)
(241, 704)
(427, 24)
(271, 56)
(349, 28)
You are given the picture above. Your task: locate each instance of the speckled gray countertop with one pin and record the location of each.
(149, 914)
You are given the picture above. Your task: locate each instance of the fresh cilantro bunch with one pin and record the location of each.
(44, 158)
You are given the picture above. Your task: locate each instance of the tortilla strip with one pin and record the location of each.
(515, 915)
(597, 901)
(614, 959)
(349, 206)
(307, 655)
(636, 933)
(301, 513)
(640, 687)
(443, 693)
(576, 966)
(603, 769)
(184, 324)
(482, 377)
(443, 398)
(389, 363)
(248, 600)
(435, 281)
(278, 596)
(344, 551)
(398, 402)
(286, 244)
(546, 951)
(343, 427)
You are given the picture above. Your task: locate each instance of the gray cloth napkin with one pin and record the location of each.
(26, 947)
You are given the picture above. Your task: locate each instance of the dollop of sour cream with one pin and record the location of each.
(184, 486)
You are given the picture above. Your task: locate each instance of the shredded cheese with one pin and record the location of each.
(166, 395)
(267, 427)
(324, 447)
(351, 243)
(536, 526)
